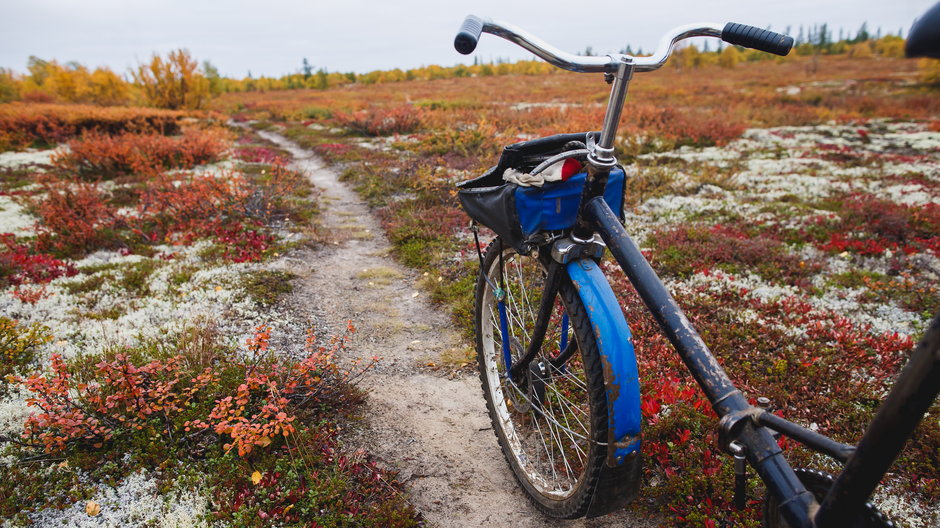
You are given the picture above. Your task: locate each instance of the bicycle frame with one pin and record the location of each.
(902, 410)
(744, 430)
(740, 422)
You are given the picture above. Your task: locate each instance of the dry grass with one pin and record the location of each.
(382, 276)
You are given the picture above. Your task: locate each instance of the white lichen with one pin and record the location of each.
(134, 501)
(14, 218)
(27, 158)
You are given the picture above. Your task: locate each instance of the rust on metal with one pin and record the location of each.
(613, 392)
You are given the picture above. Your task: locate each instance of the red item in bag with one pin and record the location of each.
(570, 168)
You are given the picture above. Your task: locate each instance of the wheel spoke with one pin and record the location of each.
(556, 439)
(541, 437)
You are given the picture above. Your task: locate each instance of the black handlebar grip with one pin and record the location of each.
(469, 35)
(756, 38)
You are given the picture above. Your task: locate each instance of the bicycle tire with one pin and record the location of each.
(538, 440)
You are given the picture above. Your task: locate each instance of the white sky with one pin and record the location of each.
(271, 37)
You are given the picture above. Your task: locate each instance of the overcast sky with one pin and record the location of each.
(271, 37)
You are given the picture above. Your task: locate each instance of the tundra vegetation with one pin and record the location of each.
(791, 205)
(148, 373)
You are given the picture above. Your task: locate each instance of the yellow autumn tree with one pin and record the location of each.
(861, 50)
(729, 57)
(890, 46)
(174, 82)
(9, 86)
(930, 72)
(74, 83)
(68, 83)
(686, 58)
(107, 88)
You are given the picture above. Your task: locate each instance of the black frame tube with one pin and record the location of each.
(762, 450)
(914, 392)
(807, 437)
(706, 370)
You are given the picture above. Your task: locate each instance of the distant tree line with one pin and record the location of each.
(818, 39)
(175, 82)
(178, 81)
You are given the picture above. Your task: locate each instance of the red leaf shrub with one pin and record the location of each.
(242, 244)
(402, 119)
(22, 125)
(199, 404)
(117, 397)
(257, 155)
(74, 219)
(252, 401)
(180, 211)
(18, 265)
(97, 155)
(688, 249)
(869, 225)
(680, 126)
(815, 365)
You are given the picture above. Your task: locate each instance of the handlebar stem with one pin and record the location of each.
(603, 154)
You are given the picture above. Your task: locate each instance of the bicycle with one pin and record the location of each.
(556, 361)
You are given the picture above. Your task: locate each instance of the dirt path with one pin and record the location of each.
(432, 429)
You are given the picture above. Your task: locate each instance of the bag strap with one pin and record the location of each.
(497, 290)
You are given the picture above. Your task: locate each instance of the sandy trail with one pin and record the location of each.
(430, 428)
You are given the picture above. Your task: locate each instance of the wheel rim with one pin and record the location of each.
(549, 440)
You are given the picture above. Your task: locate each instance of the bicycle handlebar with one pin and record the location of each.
(469, 35)
(757, 38)
(739, 34)
(473, 26)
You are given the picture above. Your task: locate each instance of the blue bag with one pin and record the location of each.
(520, 215)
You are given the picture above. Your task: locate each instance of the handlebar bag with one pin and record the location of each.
(519, 214)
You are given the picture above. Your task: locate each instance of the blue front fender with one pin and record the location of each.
(617, 358)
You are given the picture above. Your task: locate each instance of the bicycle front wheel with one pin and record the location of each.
(551, 421)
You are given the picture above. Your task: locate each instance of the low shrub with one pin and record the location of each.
(402, 119)
(812, 364)
(96, 155)
(674, 127)
(19, 265)
(233, 208)
(74, 219)
(470, 140)
(258, 426)
(685, 250)
(277, 193)
(252, 154)
(115, 397)
(264, 287)
(41, 124)
(243, 242)
(869, 225)
(18, 346)
(182, 210)
(79, 218)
